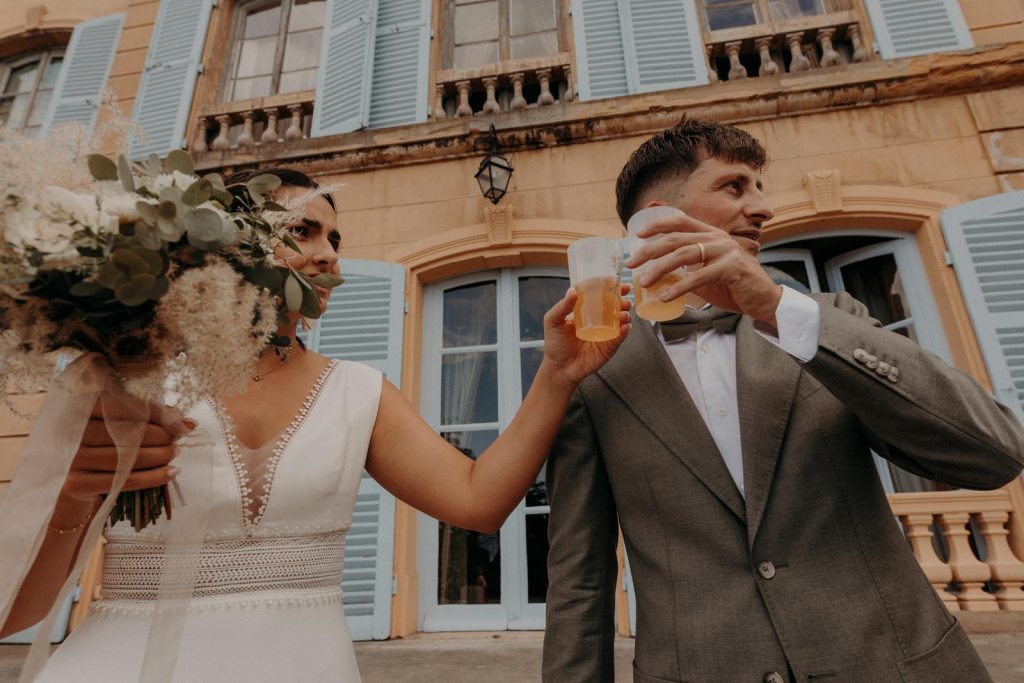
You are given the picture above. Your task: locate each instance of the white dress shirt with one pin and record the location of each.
(706, 362)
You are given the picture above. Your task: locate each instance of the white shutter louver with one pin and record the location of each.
(164, 98)
(914, 27)
(600, 55)
(664, 46)
(986, 239)
(398, 88)
(363, 323)
(83, 76)
(346, 63)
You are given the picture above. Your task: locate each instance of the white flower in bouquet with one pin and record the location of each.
(28, 228)
(162, 181)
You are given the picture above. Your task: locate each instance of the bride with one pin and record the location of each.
(287, 457)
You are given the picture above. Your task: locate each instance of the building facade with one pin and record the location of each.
(896, 136)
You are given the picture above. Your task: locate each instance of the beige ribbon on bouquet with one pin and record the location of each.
(28, 504)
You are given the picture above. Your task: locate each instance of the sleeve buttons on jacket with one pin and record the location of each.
(893, 375)
(883, 368)
(860, 355)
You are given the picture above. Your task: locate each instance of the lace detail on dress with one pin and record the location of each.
(251, 514)
(131, 569)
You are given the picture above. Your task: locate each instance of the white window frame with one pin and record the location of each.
(514, 612)
(801, 255)
(44, 57)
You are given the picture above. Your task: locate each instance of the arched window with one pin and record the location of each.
(26, 86)
(275, 48)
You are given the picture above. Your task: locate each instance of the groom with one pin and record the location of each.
(734, 451)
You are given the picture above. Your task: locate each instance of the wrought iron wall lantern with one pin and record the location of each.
(495, 171)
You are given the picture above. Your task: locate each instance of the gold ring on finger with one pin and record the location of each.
(700, 246)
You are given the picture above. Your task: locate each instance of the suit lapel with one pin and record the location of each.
(642, 375)
(766, 380)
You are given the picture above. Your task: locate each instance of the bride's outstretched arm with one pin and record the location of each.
(413, 462)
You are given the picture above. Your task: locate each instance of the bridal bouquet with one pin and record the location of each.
(164, 274)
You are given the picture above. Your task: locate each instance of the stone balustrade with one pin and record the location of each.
(507, 86)
(244, 124)
(962, 539)
(785, 47)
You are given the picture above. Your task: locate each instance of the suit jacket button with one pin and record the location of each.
(860, 355)
(883, 368)
(774, 677)
(871, 362)
(766, 570)
(894, 375)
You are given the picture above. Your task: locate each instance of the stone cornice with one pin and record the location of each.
(747, 100)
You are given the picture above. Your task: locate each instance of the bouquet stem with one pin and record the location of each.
(141, 507)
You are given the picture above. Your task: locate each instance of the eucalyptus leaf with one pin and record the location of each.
(86, 288)
(203, 224)
(179, 160)
(198, 192)
(153, 165)
(148, 237)
(215, 180)
(167, 209)
(311, 304)
(136, 291)
(273, 206)
(110, 276)
(290, 243)
(152, 258)
(126, 261)
(293, 298)
(101, 167)
(304, 280)
(267, 277)
(148, 212)
(328, 280)
(124, 172)
(263, 184)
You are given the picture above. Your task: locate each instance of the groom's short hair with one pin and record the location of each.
(677, 151)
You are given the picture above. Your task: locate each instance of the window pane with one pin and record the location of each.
(536, 296)
(731, 17)
(251, 87)
(469, 388)
(790, 273)
(298, 80)
(470, 315)
(256, 57)
(530, 16)
(536, 557)
(52, 71)
(480, 54)
(472, 444)
(876, 283)
(264, 22)
(306, 14)
(535, 45)
(15, 111)
(302, 50)
(529, 363)
(5, 109)
(39, 108)
(469, 567)
(908, 332)
(22, 79)
(794, 9)
(476, 23)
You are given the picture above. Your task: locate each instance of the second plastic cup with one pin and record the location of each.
(648, 305)
(595, 267)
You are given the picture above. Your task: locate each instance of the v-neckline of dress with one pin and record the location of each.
(250, 520)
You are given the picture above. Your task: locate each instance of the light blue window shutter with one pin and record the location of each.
(401, 55)
(363, 322)
(663, 45)
(914, 27)
(600, 54)
(78, 92)
(346, 65)
(164, 98)
(986, 239)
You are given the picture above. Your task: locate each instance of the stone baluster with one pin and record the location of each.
(939, 573)
(968, 571)
(829, 56)
(712, 72)
(736, 68)
(270, 130)
(859, 53)
(221, 142)
(798, 61)
(491, 86)
(199, 142)
(294, 131)
(570, 83)
(518, 101)
(246, 139)
(546, 98)
(439, 112)
(768, 66)
(463, 109)
(1006, 568)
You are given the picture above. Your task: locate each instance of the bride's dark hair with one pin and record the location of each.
(289, 178)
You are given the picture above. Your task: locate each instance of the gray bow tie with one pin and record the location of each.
(692, 321)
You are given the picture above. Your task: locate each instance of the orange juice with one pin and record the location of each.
(596, 314)
(650, 307)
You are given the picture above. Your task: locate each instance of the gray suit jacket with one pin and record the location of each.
(810, 574)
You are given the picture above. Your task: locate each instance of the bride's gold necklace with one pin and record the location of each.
(260, 376)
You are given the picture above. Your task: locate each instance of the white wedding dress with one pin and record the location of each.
(267, 605)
